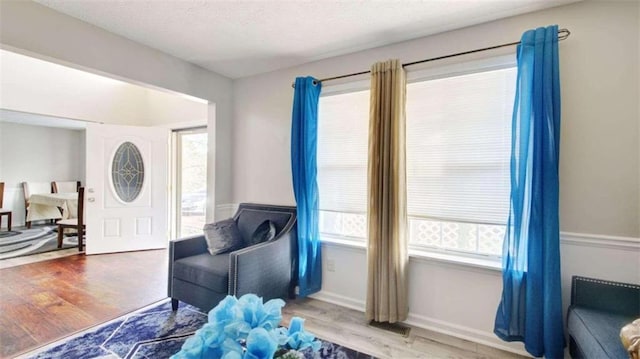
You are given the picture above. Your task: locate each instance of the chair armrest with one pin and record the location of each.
(263, 269)
(187, 247)
(608, 296)
(182, 248)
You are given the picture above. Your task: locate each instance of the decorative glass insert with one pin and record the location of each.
(127, 172)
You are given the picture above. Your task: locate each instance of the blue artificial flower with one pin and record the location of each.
(280, 335)
(260, 345)
(257, 314)
(213, 337)
(191, 349)
(272, 314)
(232, 355)
(232, 349)
(298, 338)
(224, 312)
(252, 313)
(246, 328)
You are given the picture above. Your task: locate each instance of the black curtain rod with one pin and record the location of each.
(562, 35)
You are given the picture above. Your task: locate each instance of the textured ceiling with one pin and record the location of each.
(243, 38)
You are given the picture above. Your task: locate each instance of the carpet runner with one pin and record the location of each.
(152, 332)
(24, 242)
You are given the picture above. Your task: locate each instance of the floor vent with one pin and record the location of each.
(397, 328)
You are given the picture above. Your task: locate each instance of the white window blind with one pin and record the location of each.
(342, 151)
(458, 153)
(458, 147)
(343, 122)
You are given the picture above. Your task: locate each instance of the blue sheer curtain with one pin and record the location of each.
(304, 139)
(531, 305)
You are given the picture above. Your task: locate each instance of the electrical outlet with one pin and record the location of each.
(331, 265)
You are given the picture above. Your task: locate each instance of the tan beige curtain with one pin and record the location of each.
(387, 215)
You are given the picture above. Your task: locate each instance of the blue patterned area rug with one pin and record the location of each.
(24, 242)
(153, 332)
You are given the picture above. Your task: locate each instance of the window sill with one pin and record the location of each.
(341, 242)
(421, 255)
(456, 259)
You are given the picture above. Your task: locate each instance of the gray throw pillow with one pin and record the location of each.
(266, 231)
(222, 236)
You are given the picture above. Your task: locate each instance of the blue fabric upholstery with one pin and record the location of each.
(599, 309)
(204, 270)
(265, 269)
(598, 332)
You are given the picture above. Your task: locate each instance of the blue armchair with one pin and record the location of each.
(599, 309)
(265, 269)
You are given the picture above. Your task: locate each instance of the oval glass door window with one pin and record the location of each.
(127, 172)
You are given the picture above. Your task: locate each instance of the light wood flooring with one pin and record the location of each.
(349, 328)
(45, 301)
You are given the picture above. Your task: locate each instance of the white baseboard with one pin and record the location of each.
(340, 300)
(463, 332)
(439, 326)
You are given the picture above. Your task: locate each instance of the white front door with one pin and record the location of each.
(126, 197)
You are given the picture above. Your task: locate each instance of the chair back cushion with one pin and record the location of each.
(265, 232)
(223, 236)
(67, 186)
(38, 187)
(249, 219)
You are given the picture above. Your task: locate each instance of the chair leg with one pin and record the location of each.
(60, 235)
(174, 304)
(80, 236)
(9, 224)
(28, 223)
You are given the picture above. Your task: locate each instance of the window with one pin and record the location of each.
(190, 180)
(342, 164)
(458, 152)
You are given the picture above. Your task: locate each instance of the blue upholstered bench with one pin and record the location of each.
(599, 309)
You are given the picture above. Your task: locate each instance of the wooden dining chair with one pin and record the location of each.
(76, 223)
(65, 186)
(29, 188)
(4, 212)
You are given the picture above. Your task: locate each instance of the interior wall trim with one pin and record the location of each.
(600, 241)
(340, 300)
(225, 210)
(570, 238)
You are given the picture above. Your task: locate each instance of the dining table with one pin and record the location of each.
(52, 206)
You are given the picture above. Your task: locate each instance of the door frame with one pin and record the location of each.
(175, 178)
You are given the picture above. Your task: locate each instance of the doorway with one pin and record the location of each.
(107, 101)
(190, 180)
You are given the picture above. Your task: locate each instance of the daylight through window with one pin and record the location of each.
(458, 151)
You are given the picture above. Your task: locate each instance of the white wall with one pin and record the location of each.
(32, 85)
(599, 166)
(38, 31)
(39, 154)
(600, 191)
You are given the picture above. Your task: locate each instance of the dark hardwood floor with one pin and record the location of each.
(45, 301)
